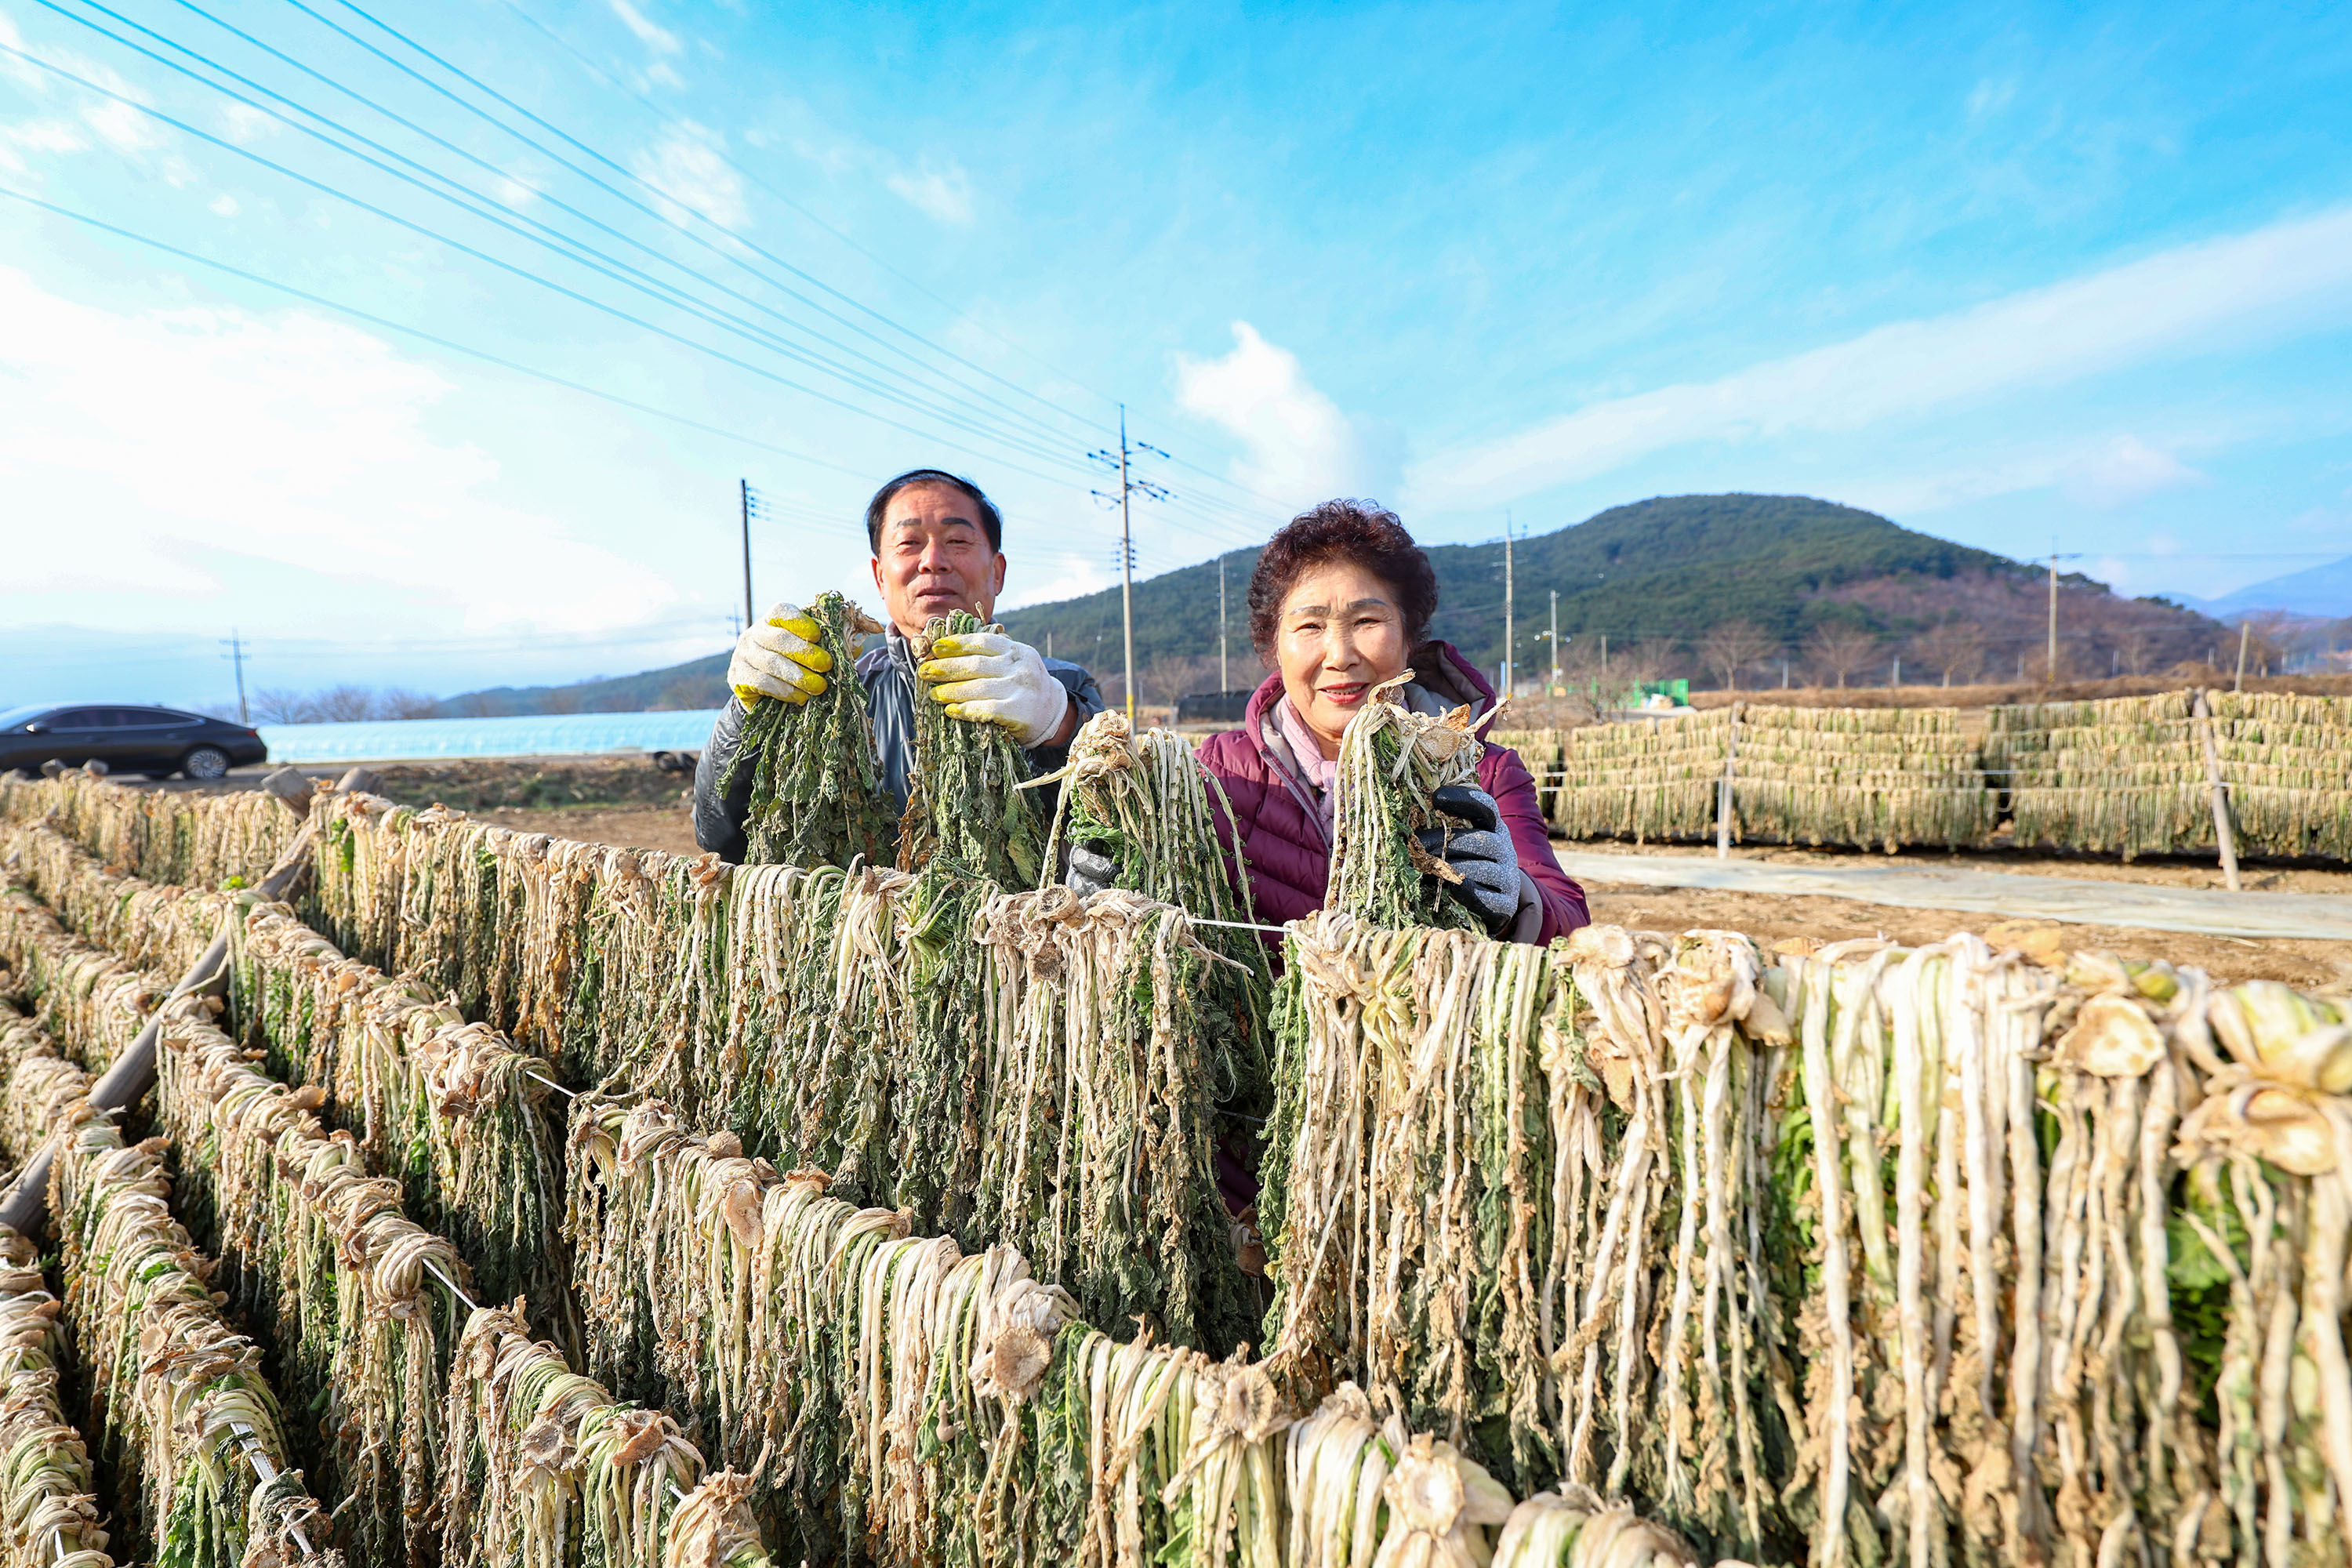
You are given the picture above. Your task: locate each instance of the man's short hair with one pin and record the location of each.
(875, 509)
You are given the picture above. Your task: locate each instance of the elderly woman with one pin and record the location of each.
(1340, 601)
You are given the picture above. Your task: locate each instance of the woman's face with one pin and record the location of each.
(1341, 633)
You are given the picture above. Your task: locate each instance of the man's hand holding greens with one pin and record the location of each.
(986, 678)
(779, 658)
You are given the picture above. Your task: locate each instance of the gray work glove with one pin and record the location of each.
(1481, 850)
(1091, 871)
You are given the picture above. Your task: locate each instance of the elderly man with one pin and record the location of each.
(939, 545)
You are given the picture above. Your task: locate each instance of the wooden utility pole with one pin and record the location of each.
(2223, 838)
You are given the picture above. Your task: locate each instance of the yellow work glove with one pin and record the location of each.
(986, 678)
(779, 658)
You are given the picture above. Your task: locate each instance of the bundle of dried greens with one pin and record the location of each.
(317, 1248)
(965, 806)
(815, 795)
(1096, 1161)
(544, 1469)
(1145, 803)
(1392, 760)
(186, 1410)
(48, 1518)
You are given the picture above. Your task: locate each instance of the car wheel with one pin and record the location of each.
(204, 762)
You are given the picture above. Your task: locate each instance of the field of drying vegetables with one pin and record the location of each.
(524, 1191)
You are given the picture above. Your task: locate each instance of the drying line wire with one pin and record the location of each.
(267, 1471)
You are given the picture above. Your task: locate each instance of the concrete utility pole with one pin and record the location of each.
(1510, 646)
(743, 494)
(2050, 670)
(2243, 627)
(1224, 683)
(1553, 689)
(236, 645)
(1127, 485)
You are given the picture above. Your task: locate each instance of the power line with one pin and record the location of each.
(483, 207)
(521, 272)
(632, 175)
(731, 233)
(437, 341)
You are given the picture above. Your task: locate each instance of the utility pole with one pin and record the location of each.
(1225, 683)
(236, 645)
(744, 494)
(2050, 670)
(1510, 643)
(2243, 627)
(1127, 485)
(1553, 689)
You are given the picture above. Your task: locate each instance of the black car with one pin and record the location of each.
(157, 741)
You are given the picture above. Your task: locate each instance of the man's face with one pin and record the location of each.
(934, 557)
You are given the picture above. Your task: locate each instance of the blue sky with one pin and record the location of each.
(2030, 278)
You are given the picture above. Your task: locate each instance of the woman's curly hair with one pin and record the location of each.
(1357, 530)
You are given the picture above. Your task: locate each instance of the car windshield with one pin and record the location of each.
(11, 718)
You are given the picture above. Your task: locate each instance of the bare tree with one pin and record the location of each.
(560, 699)
(276, 705)
(2271, 636)
(1840, 650)
(344, 704)
(1731, 646)
(2135, 647)
(1954, 648)
(1169, 677)
(399, 703)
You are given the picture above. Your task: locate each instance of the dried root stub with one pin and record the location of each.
(965, 806)
(1392, 760)
(816, 799)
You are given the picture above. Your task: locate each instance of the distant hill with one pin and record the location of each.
(1655, 576)
(1652, 579)
(2322, 591)
(698, 683)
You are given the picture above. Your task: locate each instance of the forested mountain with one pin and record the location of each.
(1678, 585)
(1818, 582)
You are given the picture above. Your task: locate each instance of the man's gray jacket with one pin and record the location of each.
(887, 670)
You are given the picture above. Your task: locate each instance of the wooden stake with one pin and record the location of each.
(2220, 791)
(1723, 791)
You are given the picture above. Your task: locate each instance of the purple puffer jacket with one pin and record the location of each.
(1281, 834)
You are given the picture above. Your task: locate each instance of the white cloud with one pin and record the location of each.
(45, 136)
(244, 124)
(1073, 575)
(689, 166)
(2291, 277)
(123, 127)
(945, 197)
(659, 39)
(2125, 469)
(1301, 448)
(659, 74)
(224, 205)
(137, 447)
